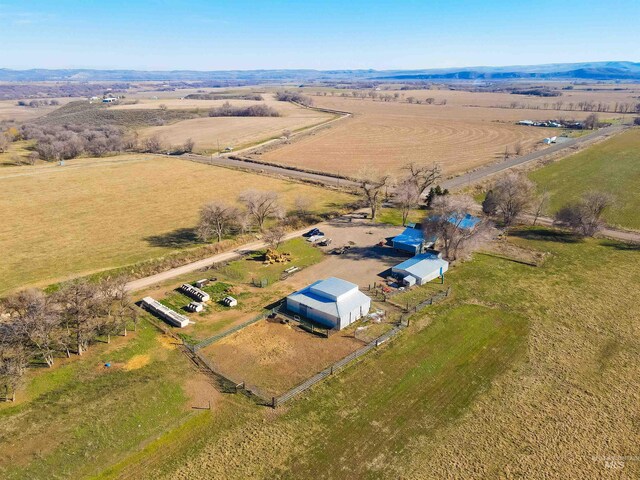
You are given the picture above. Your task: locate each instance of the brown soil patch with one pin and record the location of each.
(136, 362)
(275, 357)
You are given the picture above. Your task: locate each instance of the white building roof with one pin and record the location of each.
(333, 288)
(422, 265)
(333, 296)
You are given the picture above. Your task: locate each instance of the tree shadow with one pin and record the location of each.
(546, 234)
(182, 237)
(618, 245)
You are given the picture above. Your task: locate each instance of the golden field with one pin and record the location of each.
(95, 214)
(457, 135)
(237, 132)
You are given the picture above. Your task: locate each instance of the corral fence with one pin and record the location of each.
(339, 365)
(281, 309)
(223, 382)
(435, 298)
(208, 341)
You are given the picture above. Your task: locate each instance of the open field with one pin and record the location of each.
(387, 135)
(9, 110)
(612, 166)
(524, 372)
(96, 214)
(209, 133)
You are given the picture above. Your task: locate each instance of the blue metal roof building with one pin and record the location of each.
(334, 303)
(467, 223)
(422, 268)
(412, 241)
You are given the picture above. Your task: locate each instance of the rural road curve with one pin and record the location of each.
(145, 282)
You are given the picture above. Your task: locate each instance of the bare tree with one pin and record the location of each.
(540, 204)
(118, 307)
(260, 205)
(373, 186)
(518, 149)
(82, 307)
(4, 142)
(189, 145)
(302, 205)
(14, 360)
(585, 216)
(153, 144)
(275, 236)
(407, 197)
(513, 194)
(448, 224)
(162, 106)
(217, 218)
(591, 122)
(422, 176)
(35, 322)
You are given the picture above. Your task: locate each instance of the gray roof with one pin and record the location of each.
(332, 287)
(314, 297)
(422, 265)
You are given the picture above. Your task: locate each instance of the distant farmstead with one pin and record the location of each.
(333, 303)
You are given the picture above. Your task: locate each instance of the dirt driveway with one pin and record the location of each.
(362, 264)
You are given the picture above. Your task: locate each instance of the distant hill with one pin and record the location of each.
(560, 71)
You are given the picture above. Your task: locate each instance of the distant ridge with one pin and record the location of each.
(561, 71)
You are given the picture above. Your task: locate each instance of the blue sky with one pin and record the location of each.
(330, 34)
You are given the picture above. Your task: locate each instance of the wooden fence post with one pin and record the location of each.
(274, 402)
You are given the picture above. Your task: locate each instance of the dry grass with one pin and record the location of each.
(388, 135)
(9, 110)
(276, 357)
(95, 214)
(210, 132)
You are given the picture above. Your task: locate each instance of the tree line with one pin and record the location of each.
(228, 110)
(36, 328)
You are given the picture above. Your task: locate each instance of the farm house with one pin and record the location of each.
(422, 268)
(412, 241)
(333, 303)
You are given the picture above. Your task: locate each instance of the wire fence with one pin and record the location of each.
(340, 364)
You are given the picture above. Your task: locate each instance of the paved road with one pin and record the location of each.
(458, 182)
(464, 180)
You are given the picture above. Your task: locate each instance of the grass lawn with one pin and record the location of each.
(303, 254)
(612, 166)
(96, 214)
(524, 372)
(393, 216)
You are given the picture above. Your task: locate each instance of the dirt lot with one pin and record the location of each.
(276, 357)
(459, 135)
(363, 263)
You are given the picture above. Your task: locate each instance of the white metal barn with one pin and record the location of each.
(422, 268)
(334, 303)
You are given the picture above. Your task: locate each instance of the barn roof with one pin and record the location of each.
(422, 265)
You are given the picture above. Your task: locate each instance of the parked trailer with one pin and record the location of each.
(195, 292)
(165, 313)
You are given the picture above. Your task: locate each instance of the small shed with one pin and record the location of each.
(229, 302)
(422, 268)
(334, 303)
(195, 307)
(410, 241)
